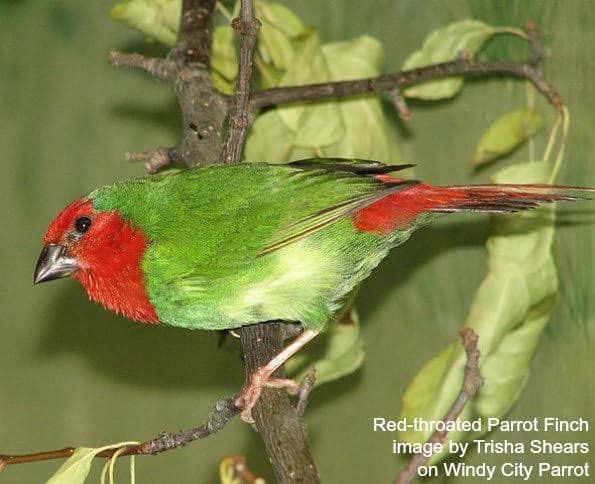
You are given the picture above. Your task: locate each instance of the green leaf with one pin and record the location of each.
(444, 45)
(270, 140)
(275, 45)
(313, 124)
(157, 19)
(224, 59)
(280, 17)
(76, 469)
(506, 133)
(366, 131)
(509, 313)
(335, 353)
(280, 27)
(353, 127)
(277, 41)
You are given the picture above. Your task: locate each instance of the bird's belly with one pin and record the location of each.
(306, 281)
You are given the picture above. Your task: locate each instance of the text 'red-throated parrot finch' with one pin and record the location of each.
(224, 246)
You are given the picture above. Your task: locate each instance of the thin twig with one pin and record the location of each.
(155, 159)
(239, 118)
(219, 416)
(472, 382)
(163, 69)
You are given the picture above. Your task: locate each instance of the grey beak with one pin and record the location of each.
(53, 264)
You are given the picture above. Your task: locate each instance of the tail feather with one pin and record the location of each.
(400, 210)
(502, 198)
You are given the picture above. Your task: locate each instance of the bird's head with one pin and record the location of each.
(101, 250)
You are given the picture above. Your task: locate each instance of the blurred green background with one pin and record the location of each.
(74, 374)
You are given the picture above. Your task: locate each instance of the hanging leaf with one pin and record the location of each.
(77, 467)
(157, 19)
(444, 45)
(509, 313)
(275, 46)
(506, 133)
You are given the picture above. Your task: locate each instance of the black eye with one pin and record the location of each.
(82, 224)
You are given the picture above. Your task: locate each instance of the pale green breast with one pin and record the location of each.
(306, 281)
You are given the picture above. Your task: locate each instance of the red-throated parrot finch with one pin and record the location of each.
(224, 246)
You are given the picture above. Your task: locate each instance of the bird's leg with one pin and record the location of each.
(262, 377)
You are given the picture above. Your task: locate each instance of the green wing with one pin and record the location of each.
(211, 220)
(316, 221)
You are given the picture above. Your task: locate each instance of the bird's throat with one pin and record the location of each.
(112, 270)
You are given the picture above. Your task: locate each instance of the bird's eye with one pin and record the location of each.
(82, 224)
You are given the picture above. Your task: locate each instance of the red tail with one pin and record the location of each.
(399, 210)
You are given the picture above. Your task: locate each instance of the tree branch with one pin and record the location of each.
(219, 416)
(195, 32)
(281, 426)
(283, 95)
(471, 384)
(462, 66)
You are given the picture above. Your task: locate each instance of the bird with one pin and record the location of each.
(223, 246)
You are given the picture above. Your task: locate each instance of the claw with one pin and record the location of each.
(261, 379)
(263, 376)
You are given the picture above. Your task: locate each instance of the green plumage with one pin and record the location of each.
(241, 244)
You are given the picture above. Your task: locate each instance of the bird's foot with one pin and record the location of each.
(261, 379)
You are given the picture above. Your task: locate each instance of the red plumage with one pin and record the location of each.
(400, 209)
(109, 256)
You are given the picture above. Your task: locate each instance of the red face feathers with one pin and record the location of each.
(103, 252)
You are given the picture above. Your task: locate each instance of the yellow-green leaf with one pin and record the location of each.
(157, 19)
(224, 59)
(367, 133)
(281, 17)
(77, 467)
(275, 45)
(443, 45)
(270, 140)
(313, 124)
(506, 133)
